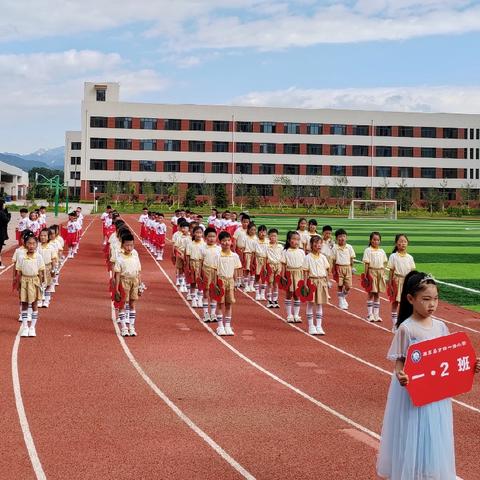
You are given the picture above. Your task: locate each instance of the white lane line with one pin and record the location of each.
(306, 396)
(27, 436)
(6, 269)
(203, 435)
(22, 416)
(343, 352)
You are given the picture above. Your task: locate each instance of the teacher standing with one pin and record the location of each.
(4, 219)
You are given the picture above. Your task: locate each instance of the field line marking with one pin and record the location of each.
(251, 362)
(6, 269)
(17, 391)
(182, 416)
(22, 416)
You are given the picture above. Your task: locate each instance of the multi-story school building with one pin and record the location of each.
(13, 182)
(309, 155)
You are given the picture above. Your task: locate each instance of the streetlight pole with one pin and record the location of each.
(94, 199)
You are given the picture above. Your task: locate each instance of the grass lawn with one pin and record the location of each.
(449, 249)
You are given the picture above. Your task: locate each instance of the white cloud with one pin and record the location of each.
(187, 25)
(450, 99)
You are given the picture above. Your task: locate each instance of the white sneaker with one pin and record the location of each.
(52, 287)
(290, 319)
(132, 331)
(346, 303)
(24, 332)
(229, 331)
(258, 297)
(371, 318)
(320, 330)
(329, 284)
(376, 318)
(32, 332)
(124, 332)
(177, 283)
(184, 289)
(2, 267)
(221, 331)
(206, 318)
(19, 317)
(213, 317)
(40, 304)
(262, 296)
(312, 330)
(189, 296)
(56, 284)
(159, 257)
(297, 319)
(46, 304)
(194, 302)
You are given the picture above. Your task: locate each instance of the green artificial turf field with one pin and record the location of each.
(448, 249)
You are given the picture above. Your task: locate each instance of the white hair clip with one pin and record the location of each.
(427, 277)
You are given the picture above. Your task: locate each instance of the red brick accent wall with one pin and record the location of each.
(279, 147)
(416, 172)
(111, 122)
(184, 145)
(349, 130)
(185, 124)
(416, 151)
(135, 144)
(326, 149)
(439, 132)
(394, 131)
(183, 167)
(208, 146)
(110, 143)
(256, 127)
(394, 151)
(208, 125)
(303, 149)
(460, 153)
(110, 164)
(303, 128)
(136, 123)
(417, 132)
(349, 151)
(439, 152)
(135, 165)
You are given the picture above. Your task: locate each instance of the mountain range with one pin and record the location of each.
(50, 158)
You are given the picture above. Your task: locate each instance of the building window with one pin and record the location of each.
(171, 166)
(196, 167)
(219, 167)
(405, 151)
(98, 122)
(291, 169)
(220, 126)
(427, 172)
(314, 149)
(219, 147)
(173, 124)
(450, 133)
(122, 165)
(244, 147)
(148, 123)
(360, 150)
(246, 127)
(98, 164)
(405, 172)
(101, 94)
(97, 143)
(74, 160)
(314, 128)
(338, 129)
(338, 149)
(291, 148)
(428, 132)
(172, 145)
(243, 168)
(78, 145)
(450, 173)
(383, 171)
(428, 152)
(291, 128)
(359, 192)
(123, 122)
(360, 171)
(197, 125)
(338, 170)
(74, 175)
(405, 131)
(363, 130)
(265, 190)
(123, 144)
(383, 151)
(146, 166)
(148, 144)
(196, 146)
(308, 190)
(450, 153)
(97, 186)
(314, 170)
(383, 131)
(267, 169)
(268, 127)
(268, 148)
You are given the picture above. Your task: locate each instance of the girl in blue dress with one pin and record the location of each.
(417, 442)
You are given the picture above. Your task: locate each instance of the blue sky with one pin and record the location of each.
(406, 55)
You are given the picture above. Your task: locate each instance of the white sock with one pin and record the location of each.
(121, 317)
(132, 317)
(288, 306)
(394, 318)
(369, 307)
(296, 308)
(319, 315)
(275, 293)
(228, 320)
(376, 308)
(220, 320)
(252, 281)
(205, 307)
(34, 319)
(24, 318)
(310, 314)
(213, 307)
(257, 289)
(195, 292)
(262, 289)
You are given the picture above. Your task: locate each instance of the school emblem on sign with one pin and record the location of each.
(416, 356)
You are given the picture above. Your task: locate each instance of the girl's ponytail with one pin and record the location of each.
(414, 282)
(289, 237)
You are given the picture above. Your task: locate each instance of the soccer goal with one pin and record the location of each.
(382, 209)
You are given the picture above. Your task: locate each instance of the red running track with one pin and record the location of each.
(91, 414)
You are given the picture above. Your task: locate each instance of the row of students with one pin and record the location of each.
(36, 274)
(34, 221)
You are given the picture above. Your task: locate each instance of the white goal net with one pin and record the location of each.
(384, 209)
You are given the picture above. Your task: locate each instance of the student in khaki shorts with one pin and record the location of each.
(210, 252)
(274, 264)
(127, 273)
(180, 239)
(30, 276)
(228, 267)
(343, 256)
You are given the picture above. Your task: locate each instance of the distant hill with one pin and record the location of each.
(51, 158)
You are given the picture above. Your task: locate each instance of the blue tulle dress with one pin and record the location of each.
(417, 442)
